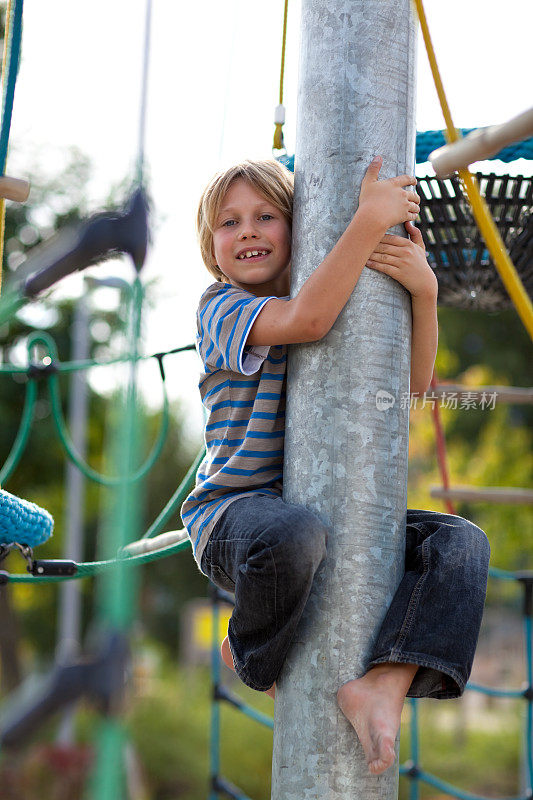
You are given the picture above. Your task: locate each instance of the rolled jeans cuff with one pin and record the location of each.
(433, 678)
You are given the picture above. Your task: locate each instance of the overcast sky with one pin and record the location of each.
(214, 74)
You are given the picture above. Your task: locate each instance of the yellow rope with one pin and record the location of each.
(283, 52)
(278, 133)
(2, 201)
(481, 213)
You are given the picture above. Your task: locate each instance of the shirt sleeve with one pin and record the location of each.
(225, 318)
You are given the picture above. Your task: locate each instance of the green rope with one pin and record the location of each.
(177, 499)
(75, 366)
(91, 568)
(43, 339)
(23, 433)
(108, 777)
(117, 593)
(82, 465)
(10, 303)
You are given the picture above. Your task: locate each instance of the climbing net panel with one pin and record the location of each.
(456, 250)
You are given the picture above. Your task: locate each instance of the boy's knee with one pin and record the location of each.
(476, 541)
(480, 540)
(308, 541)
(299, 540)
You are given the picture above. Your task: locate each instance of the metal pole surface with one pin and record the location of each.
(70, 604)
(345, 451)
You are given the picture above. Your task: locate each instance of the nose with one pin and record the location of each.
(247, 233)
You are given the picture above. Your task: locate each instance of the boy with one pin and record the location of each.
(245, 538)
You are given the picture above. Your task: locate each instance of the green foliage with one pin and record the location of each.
(169, 724)
(169, 582)
(480, 756)
(176, 758)
(495, 342)
(490, 447)
(40, 475)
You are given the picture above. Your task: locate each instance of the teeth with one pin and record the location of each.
(250, 253)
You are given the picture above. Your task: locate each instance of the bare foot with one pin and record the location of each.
(227, 658)
(373, 705)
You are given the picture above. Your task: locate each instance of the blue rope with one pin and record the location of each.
(453, 791)
(528, 633)
(214, 746)
(12, 67)
(414, 788)
(23, 521)
(427, 141)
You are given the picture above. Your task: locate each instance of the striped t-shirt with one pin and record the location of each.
(243, 389)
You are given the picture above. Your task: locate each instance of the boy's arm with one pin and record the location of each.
(424, 341)
(405, 261)
(312, 313)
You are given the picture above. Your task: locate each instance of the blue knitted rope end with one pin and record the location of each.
(22, 521)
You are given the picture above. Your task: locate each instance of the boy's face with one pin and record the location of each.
(248, 222)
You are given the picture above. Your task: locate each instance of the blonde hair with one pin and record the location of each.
(270, 178)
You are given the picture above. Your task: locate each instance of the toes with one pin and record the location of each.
(225, 652)
(378, 765)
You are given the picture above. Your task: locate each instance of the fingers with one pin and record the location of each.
(386, 268)
(415, 234)
(404, 180)
(414, 203)
(372, 172)
(390, 245)
(393, 240)
(384, 259)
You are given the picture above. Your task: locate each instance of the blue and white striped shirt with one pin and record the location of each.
(243, 389)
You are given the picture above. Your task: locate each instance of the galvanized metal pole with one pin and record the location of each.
(347, 429)
(68, 646)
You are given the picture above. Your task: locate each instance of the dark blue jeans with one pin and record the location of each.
(267, 552)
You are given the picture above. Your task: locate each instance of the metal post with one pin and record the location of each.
(70, 598)
(345, 457)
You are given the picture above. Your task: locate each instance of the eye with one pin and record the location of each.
(268, 216)
(227, 223)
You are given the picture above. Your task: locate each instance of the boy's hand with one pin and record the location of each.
(387, 200)
(405, 261)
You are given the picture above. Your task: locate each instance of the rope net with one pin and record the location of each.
(456, 250)
(411, 768)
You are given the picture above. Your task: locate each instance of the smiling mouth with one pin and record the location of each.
(253, 255)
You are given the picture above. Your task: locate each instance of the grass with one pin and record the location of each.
(171, 730)
(481, 757)
(168, 720)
